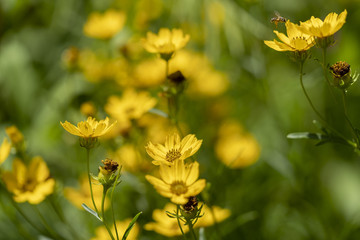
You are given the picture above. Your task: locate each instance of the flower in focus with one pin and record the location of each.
(130, 106)
(321, 29)
(16, 137)
(83, 195)
(101, 233)
(4, 150)
(163, 224)
(106, 25)
(235, 147)
(341, 75)
(296, 40)
(89, 128)
(166, 42)
(178, 182)
(29, 184)
(173, 149)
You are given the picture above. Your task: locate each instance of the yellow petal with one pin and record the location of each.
(4, 150)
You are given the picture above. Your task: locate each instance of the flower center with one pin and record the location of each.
(172, 155)
(178, 187)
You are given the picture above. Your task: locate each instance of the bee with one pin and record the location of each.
(277, 19)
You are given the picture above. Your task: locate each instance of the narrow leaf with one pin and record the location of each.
(306, 135)
(131, 225)
(91, 211)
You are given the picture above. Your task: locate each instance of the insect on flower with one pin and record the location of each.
(278, 18)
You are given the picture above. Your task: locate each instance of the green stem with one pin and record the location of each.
(103, 213)
(191, 228)
(48, 228)
(89, 178)
(178, 221)
(347, 118)
(112, 205)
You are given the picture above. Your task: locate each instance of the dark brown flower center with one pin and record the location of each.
(172, 155)
(110, 165)
(340, 69)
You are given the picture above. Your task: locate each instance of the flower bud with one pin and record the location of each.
(190, 209)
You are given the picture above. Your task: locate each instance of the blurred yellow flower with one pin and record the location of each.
(149, 73)
(212, 215)
(29, 184)
(163, 224)
(130, 159)
(296, 40)
(166, 42)
(131, 105)
(83, 195)
(235, 147)
(15, 135)
(321, 29)
(106, 25)
(4, 150)
(173, 149)
(102, 234)
(147, 10)
(178, 182)
(88, 109)
(89, 128)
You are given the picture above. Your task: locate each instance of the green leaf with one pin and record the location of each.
(91, 211)
(131, 225)
(159, 112)
(306, 135)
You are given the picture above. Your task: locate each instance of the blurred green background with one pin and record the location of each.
(296, 190)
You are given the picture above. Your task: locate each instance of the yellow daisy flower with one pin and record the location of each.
(83, 195)
(106, 25)
(4, 150)
(173, 149)
(89, 128)
(321, 29)
(296, 40)
(101, 233)
(166, 42)
(178, 182)
(29, 184)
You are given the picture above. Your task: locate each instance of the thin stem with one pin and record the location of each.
(216, 224)
(103, 213)
(191, 227)
(347, 118)
(326, 76)
(48, 228)
(113, 213)
(89, 177)
(178, 221)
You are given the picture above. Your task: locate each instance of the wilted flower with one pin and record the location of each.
(101, 233)
(29, 184)
(106, 25)
(107, 173)
(4, 150)
(166, 42)
(341, 73)
(173, 149)
(83, 195)
(295, 41)
(178, 182)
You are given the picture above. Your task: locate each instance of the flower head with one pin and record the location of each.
(321, 29)
(89, 128)
(166, 42)
(341, 75)
(178, 182)
(295, 41)
(29, 184)
(121, 226)
(173, 149)
(4, 150)
(106, 25)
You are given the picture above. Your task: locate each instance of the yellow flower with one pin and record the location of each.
(178, 182)
(131, 159)
(173, 149)
(83, 195)
(15, 135)
(212, 215)
(321, 29)
(102, 234)
(106, 25)
(32, 183)
(163, 224)
(166, 42)
(296, 40)
(4, 150)
(131, 105)
(88, 109)
(89, 128)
